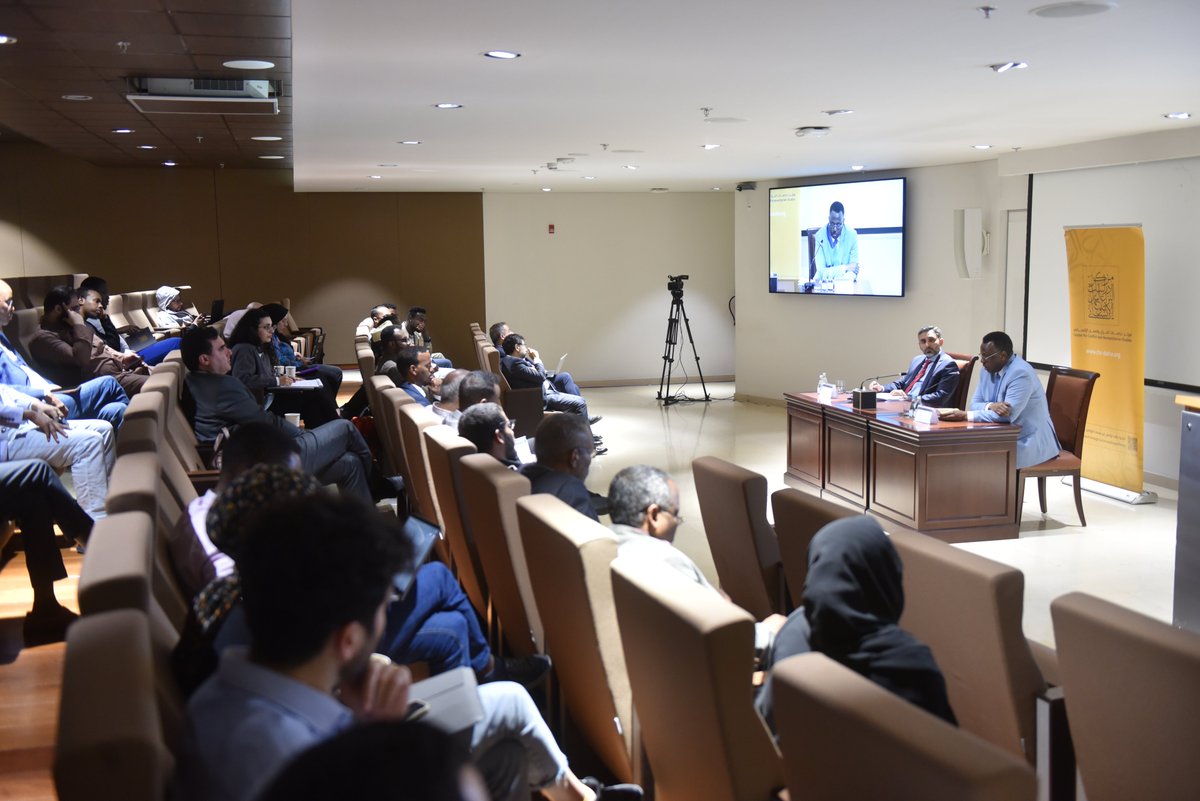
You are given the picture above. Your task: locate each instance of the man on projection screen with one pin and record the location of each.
(835, 248)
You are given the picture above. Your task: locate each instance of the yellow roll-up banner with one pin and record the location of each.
(1106, 273)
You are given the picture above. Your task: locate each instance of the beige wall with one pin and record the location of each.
(597, 287)
(245, 235)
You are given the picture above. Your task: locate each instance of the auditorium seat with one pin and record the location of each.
(1069, 396)
(490, 493)
(968, 610)
(20, 331)
(1133, 699)
(733, 504)
(690, 653)
(387, 426)
(798, 518)
(413, 419)
(966, 369)
(444, 448)
(569, 556)
(844, 737)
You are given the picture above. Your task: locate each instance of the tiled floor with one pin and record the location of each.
(1125, 554)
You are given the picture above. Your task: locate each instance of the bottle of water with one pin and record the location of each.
(822, 380)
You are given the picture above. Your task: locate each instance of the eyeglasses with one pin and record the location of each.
(8, 302)
(511, 425)
(983, 359)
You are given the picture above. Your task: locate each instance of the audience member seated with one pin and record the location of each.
(480, 386)
(330, 374)
(33, 429)
(415, 326)
(522, 371)
(412, 371)
(446, 406)
(392, 340)
(381, 317)
(564, 448)
(31, 494)
(644, 504)
(100, 398)
(254, 363)
(853, 599)
(316, 575)
(71, 352)
(172, 309)
(563, 382)
(334, 452)
(487, 427)
(94, 305)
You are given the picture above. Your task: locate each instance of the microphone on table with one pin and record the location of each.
(901, 374)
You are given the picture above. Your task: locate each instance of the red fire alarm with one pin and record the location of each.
(550, 228)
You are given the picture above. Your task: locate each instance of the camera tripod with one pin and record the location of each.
(677, 313)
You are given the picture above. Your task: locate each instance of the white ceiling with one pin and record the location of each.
(634, 75)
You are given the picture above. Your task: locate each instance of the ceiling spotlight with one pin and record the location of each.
(546, 189)
(630, 166)
(375, 177)
(78, 98)
(1075, 8)
(1178, 115)
(659, 189)
(267, 138)
(122, 130)
(447, 105)
(4, 39)
(249, 64)
(589, 177)
(982, 147)
(813, 131)
(710, 147)
(716, 189)
(169, 163)
(410, 141)
(856, 167)
(147, 147)
(270, 158)
(837, 112)
(504, 55)
(1008, 65)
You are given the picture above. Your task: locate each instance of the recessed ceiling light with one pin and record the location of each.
(546, 189)
(249, 64)
(447, 105)
(710, 147)
(387, 165)
(856, 167)
(147, 147)
(812, 130)
(1178, 115)
(7, 39)
(589, 177)
(502, 54)
(267, 138)
(375, 177)
(716, 189)
(79, 98)
(837, 112)
(270, 158)
(1008, 65)
(659, 189)
(1075, 8)
(631, 166)
(122, 130)
(410, 141)
(169, 163)
(982, 147)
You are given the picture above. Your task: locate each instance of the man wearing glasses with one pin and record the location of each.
(1010, 392)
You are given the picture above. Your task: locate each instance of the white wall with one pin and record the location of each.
(597, 287)
(784, 341)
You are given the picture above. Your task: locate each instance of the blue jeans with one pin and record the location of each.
(155, 352)
(435, 623)
(98, 399)
(444, 364)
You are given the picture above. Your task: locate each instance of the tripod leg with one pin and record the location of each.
(672, 339)
(687, 324)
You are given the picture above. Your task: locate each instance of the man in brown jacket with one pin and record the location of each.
(69, 351)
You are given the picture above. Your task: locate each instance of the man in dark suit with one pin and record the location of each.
(932, 376)
(334, 452)
(523, 371)
(564, 456)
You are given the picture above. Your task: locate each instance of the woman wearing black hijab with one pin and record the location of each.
(853, 599)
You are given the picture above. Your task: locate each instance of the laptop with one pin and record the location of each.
(422, 536)
(218, 310)
(558, 367)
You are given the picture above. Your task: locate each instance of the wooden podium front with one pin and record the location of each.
(952, 480)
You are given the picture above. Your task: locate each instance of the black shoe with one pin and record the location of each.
(601, 450)
(529, 671)
(593, 420)
(47, 626)
(612, 792)
(597, 439)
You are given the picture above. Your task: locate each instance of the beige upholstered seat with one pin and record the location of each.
(135, 313)
(968, 610)
(118, 568)
(845, 738)
(798, 518)
(490, 492)
(111, 743)
(1132, 689)
(690, 654)
(569, 557)
(21, 329)
(444, 449)
(733, 503)
(387, 426)
(413, 419)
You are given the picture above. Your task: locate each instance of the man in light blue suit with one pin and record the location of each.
(1010, 392)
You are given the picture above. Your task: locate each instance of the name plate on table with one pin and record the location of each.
(825, 393)
(925, 414)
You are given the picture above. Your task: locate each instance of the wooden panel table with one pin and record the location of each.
(952, 480)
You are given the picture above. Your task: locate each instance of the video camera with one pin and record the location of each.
(675, 284)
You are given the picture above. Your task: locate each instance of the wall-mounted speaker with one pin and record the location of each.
(971, 242)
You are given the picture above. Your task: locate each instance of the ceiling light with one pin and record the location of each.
(1178, 115)
(589, 177)
(856, 167)
(249, 64)
(270, 158)
(982, 147)
(4, 39)
(813, 131)
(1075, 8)
(79, 98)
(122, 130)
(147, 147)
(267, 138)
(387, 165)
(375, 177)
(447, 105)
(1008, 65)
(504, 55)
(837, 112)
(410, 141)
(659, 189)
(169, 163)
(631, 166)
(546, 189)
(710, 147)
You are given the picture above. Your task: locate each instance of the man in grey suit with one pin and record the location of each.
(334, 452)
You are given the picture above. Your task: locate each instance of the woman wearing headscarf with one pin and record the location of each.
(329, 374)
(853, 599)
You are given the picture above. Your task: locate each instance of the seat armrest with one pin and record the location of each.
(204, 480)
(1047, 662)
